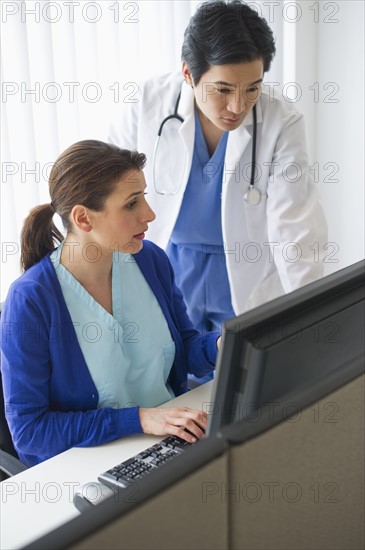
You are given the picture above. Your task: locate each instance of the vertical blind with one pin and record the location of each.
(66, 68)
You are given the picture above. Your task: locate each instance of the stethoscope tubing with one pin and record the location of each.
(253, 158)
(174, 115)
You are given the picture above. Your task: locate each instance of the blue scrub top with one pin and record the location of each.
(130, 353)
(199, 221)
(196, 248)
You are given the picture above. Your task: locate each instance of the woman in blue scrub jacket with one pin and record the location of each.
(95, 334)
(227, 169)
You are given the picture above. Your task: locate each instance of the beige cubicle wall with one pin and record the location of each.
(308, 479)
(298, 485)
(181, 517)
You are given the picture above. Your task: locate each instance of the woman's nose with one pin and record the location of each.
(149, 214)
(236, 104)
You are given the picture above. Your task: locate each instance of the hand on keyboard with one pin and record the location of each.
(189, 424)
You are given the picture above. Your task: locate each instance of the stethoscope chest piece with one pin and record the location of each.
(252, 196)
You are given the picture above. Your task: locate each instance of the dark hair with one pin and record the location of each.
(86, 173)
(220, 33)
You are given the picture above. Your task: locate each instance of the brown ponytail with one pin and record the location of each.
(38, 235)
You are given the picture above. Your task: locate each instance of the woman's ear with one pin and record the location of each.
(187, 75)
(80, 217)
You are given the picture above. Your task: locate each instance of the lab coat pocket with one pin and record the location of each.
(169, 357)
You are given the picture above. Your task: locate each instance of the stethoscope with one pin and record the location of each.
(252, 195)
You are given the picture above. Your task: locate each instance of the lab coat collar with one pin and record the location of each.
(249, 119)
(186, 131)
(239, 139)
(237, 142)
(186, 110)
(186, 106)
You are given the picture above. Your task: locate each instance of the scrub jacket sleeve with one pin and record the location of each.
(26, 364)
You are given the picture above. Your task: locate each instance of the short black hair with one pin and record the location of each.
(220, 33)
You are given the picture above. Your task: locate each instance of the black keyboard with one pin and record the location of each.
(144, 462)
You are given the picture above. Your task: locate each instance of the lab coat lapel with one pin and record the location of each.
(238, 141)
(168, 206)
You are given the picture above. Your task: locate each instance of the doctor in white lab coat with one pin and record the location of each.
(246, 248)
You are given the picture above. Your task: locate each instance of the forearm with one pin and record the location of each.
(40, 433)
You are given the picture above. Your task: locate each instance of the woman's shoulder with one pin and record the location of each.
(152, 252)
(153, 259)
(35, 282)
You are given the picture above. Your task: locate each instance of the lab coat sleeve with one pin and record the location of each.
(39, 429)
(297, 227)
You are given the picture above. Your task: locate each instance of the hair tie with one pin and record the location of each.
(52, 206)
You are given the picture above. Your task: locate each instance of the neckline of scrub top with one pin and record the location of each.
(195, 225)
(80, 290)
(201, 146)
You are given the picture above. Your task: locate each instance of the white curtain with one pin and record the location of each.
(68, 65)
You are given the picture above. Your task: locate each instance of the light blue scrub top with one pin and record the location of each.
(196, 248)
(129, 354)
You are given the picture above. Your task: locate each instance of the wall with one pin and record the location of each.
(340, 130)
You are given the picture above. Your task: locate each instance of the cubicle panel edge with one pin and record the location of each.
(125, 502)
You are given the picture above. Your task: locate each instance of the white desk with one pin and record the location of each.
(40, 499)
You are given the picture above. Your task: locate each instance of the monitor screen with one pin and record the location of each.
(298, 340)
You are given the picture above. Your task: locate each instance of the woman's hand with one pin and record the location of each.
(174, 422)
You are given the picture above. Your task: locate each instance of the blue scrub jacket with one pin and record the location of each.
(50, 398)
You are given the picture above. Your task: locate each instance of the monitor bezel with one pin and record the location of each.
(228, 379)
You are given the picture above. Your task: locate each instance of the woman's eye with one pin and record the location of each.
(133, 203)
(224, 90)
(253, 93)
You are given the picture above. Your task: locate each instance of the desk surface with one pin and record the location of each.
(40, 499)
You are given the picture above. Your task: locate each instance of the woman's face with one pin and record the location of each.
(121, 225)
(225, 94)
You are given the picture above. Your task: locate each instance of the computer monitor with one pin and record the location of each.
(301, 339)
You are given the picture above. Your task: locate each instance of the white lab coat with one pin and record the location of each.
(272, 248)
